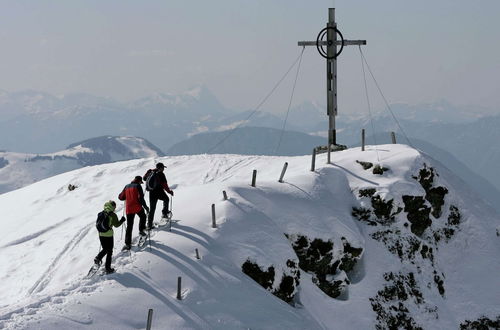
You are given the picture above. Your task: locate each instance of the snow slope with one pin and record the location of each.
(49, 242)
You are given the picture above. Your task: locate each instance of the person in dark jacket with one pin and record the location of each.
(106, 238)
(133, 196)
(158, 192)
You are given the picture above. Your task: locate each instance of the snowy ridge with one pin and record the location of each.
(20, 169)
(47, 251)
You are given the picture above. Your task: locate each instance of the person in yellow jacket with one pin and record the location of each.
(106, 238)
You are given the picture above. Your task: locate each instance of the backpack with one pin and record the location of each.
(151, 178)
(102, 222)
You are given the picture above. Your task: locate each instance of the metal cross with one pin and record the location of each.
(331, 54)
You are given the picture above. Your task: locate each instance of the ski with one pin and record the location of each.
(142, 241)
(166, 220)
(170, 222)
(161, 223)
(93, 270)
(104, 273)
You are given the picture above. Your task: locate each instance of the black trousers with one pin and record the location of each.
(107, 250)
(153, 199)
(130, 225)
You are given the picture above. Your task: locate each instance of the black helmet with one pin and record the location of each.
(160, 165)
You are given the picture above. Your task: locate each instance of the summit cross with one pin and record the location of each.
(331, 55)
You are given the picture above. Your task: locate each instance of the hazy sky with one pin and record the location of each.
(420, 51)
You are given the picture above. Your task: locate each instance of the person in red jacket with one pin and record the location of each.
(133, 196)
(157, 192)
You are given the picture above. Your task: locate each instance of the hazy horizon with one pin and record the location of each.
(420, 52)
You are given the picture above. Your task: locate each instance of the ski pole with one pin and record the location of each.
(123, 214)
(149, 238)
(171, 213)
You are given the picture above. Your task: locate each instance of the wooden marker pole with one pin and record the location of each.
(214, 225)
(363, 139)
(313, 160)
(285, 166)
(179, 287)
(150, 319)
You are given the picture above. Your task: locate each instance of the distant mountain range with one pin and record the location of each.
(54, 122)
(248, 141)
(20, 169)
(37, 122)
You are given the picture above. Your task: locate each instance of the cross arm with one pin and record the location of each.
(339, 43)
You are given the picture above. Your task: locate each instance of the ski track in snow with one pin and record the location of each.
(80, 285)
(212, 171)
(34, 235)
(220, 167)
(355, 175)
(44, 280)
(238, 164)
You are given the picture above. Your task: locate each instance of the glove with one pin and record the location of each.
(146, 208)
(171, 192)
(122, 219)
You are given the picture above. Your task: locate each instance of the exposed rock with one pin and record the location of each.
(482, 323)
(439, 283)
(454, 217)
(334, 148)
(383, 211)
(417, 214)
(363, 214)
(434, 195)
(365, 165)
(368, 192)
(403, 246)
(316, 257)
(287, 288)
(425, 177)
(391, 303)
(339, 147)
(379, 169)
(451, 226)
(350, 257)
(414, 242)
(426, 253)
(263, 277)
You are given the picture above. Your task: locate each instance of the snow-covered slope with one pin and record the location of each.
(20, 169)
(421, 250)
